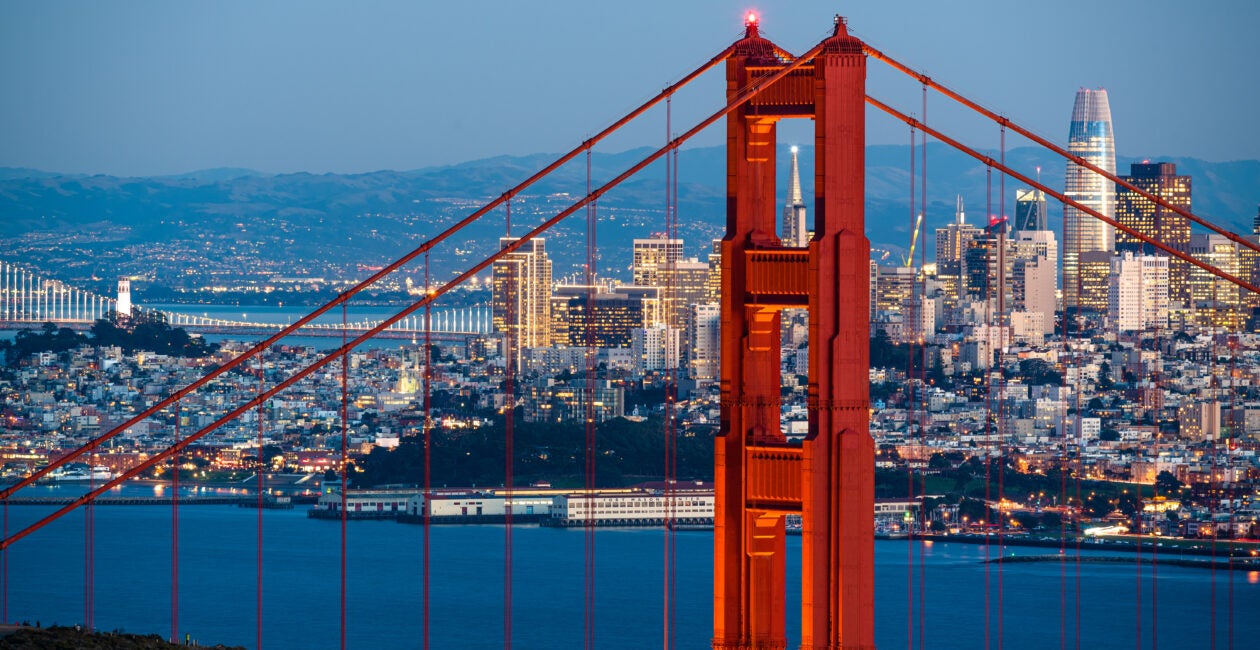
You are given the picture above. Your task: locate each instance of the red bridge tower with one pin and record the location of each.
(829, 480)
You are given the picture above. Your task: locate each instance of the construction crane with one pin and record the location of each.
(914, 239)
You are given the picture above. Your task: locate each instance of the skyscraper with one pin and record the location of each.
(1030, 211)
(1157, 222)
(522, 294)
(1035, 258)
(952, 243)
(1216, 302)
(1090, 137)
(795, 232)
(1249, 267)
(658, 262)
(652, 259)
(704, 329)
(1138, 290)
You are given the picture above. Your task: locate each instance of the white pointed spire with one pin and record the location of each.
(795, 233)
(794, 186)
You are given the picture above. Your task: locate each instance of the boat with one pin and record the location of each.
(72, 472)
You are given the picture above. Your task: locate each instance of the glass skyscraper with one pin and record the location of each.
(1090, 137)
(1155, 221)
(1030, 211)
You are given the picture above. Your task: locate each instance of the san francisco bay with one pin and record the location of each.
(1031, 605)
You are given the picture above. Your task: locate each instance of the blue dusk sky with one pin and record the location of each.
(159, 87)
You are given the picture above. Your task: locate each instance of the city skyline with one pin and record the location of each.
(777, 390)
(135, 90)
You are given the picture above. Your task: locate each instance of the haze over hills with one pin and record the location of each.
(186, 230)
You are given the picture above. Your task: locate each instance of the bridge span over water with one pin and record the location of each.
(28, 299)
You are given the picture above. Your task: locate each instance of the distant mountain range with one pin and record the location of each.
(292, 224)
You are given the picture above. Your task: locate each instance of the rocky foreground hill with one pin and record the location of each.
(69, 638)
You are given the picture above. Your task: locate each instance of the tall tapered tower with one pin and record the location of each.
(795, 232)
(1089, 137)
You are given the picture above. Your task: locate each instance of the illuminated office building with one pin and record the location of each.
(952, 243)
(652, 259)
(1032, 279)
(614, 314)
(1094, 282)
(1030, 211)
(1215, 302)
(1138, 289)
(522, 294)
(704, 340)
(1090, 137)
(1249, 266)
(713, 280)
(1155, 221)
(658, 262)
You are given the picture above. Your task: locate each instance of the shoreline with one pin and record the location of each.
(1228, 564)
(1159, 546)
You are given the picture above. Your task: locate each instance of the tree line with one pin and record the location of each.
(147, 331)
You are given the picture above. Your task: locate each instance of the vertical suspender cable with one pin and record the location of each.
(428, 441)
(667, 432)
(673, 434)
(4, 569)
(1232, 343)
(910, 609)
(923, 170)
(1155, 494)
(988, 431)
(175, 535)
(1003, 334)
(345, 464)
(923, 340)
(589, 408)
(258, 606)
(89, 550)
(1138, 531)
(1215, 488)
(1076, 401)
(508, 435)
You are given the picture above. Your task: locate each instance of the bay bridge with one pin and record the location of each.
(28, 299)
(760, 478)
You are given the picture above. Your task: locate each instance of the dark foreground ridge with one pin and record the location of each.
(25, 637)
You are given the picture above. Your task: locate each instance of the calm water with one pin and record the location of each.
(301, 580)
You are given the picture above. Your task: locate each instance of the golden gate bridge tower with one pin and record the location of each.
(760, 478)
